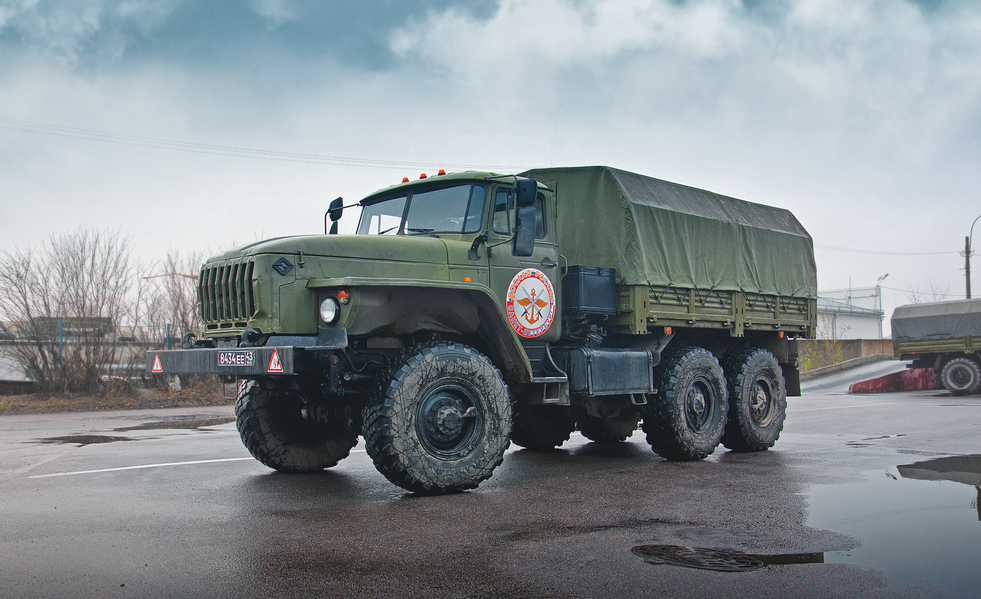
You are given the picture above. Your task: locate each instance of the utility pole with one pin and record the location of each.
(967, 264)
(967, 257)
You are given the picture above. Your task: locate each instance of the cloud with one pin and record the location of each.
(590, 33)
(280, 11)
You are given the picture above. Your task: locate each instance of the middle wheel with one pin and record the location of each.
(443, 423)
(687, 416)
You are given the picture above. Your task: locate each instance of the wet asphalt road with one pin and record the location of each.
(175, 507)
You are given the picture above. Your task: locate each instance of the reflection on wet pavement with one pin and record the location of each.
(83, 440)
(170, 424)
(175, 424)
(919, 524)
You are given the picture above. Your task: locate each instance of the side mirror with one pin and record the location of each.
(523, 242)
(525, 192)
(334, 212)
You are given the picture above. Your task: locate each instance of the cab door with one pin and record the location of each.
(528, 287)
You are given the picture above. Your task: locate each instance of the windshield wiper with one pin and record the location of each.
(420, 230)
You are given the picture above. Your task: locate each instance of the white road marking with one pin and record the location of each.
(145, 466)
(141, 467)
(864, 405)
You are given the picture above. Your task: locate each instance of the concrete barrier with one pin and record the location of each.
(913, 379)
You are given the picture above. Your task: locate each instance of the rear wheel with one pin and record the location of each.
(757, 400)
(686, 417)
(275, 426)
(961, 376)
(443, 422)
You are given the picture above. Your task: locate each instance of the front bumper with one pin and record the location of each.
(239, 361)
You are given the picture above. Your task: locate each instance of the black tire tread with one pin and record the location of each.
(406, 470)
(273, 447)
(607, 430)
(664, 432)
(540, 428)
(961, 362)
(737, 437)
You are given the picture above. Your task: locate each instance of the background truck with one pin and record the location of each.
(475, 309)
(945, 336)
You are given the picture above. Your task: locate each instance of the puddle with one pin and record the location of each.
(175, 424)
(918, 523)
(83, 440)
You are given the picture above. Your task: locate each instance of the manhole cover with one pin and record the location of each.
(697, 557)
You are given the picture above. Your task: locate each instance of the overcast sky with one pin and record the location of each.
(197, 125)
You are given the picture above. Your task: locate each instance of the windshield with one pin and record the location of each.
(447, 210)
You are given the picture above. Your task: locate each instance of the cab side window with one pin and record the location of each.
(504, 213)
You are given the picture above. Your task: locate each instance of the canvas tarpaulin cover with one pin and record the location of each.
(654, 232)
(939, 320)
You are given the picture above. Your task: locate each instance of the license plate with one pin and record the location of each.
(236, 358)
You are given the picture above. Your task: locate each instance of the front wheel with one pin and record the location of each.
(686, 417)
(961, 376)
(443, 422)
(276, 428)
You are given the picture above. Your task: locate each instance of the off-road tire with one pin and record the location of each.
(608, 430)
(270, 421)
(442, 423)
(757, 400)
(538, 427)
(685, 418)
(961, 376)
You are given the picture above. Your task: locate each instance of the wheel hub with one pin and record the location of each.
(759, 403)
(696, 402)
(960, 376)
(446, 422)
(449, 420)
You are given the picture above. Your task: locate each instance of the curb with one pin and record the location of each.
(847, 364)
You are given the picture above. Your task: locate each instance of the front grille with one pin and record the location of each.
(226, 293)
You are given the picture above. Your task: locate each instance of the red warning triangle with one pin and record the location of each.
(274, 364)
(156, 364)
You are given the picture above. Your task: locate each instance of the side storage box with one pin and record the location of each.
(589, 290)
(608, 371)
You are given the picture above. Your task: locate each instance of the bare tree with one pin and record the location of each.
(67, 300)
(165, 294)
(933, 292)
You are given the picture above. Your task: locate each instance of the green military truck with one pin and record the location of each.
(944, 336)
(475, 309)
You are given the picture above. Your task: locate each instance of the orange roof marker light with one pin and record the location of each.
(441, 172)
(405, 179)
(422, 176)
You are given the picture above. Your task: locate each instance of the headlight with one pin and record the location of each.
(329, 310)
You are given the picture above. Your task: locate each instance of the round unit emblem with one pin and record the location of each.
(531, 302)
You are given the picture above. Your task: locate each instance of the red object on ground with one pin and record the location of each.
(914, 379)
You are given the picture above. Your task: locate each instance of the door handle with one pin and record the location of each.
(547, 263)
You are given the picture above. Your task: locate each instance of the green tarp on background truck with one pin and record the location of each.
(654, 232)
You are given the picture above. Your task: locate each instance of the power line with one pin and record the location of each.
(878, 252)
(231, 151)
